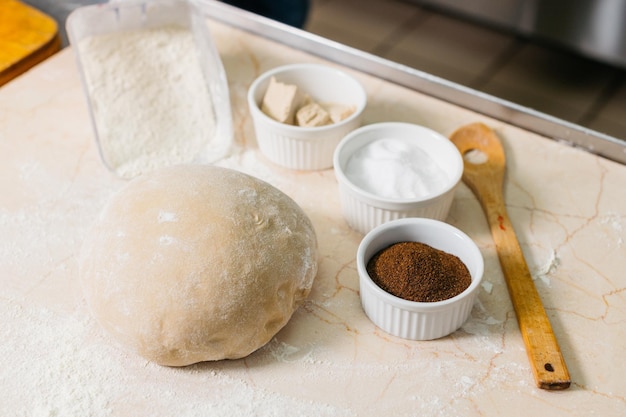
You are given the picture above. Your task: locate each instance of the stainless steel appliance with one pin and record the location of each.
(593, 28)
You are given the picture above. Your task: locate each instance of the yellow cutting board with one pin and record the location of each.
(27, 37)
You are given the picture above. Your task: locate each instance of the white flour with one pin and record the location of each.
(59, 365)
(150, 101)
(395, 168)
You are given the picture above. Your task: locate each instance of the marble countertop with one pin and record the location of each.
(568, 208)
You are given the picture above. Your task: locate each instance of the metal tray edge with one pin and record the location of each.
(551, 127)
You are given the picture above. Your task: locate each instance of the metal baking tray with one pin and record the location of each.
(534, 121)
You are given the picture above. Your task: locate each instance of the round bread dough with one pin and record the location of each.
(197, 263)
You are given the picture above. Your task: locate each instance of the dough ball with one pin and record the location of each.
(197, 263)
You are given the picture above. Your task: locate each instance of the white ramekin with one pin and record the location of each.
(418, 320)
(363, 210)
(306, 148)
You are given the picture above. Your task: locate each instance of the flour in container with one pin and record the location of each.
(149, 98)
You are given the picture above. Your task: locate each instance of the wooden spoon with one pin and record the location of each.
(485, 178)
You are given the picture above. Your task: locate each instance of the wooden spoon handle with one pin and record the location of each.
(545, 356)
(485, 180)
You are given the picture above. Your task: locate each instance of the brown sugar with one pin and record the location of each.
(418, 272)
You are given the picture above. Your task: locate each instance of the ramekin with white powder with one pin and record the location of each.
(387, 171)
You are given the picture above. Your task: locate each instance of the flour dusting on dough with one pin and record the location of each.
(165, 216)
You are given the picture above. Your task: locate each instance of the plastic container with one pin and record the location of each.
(306, 148)
(132, 136)
(364, 210)
(410, 319)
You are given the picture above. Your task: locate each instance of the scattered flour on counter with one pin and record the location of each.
(247, 161)
(46, 370)
(480, 324)
(615, 221)
(61, 365)
(287, 353)
(549, 267)
(150, 101)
